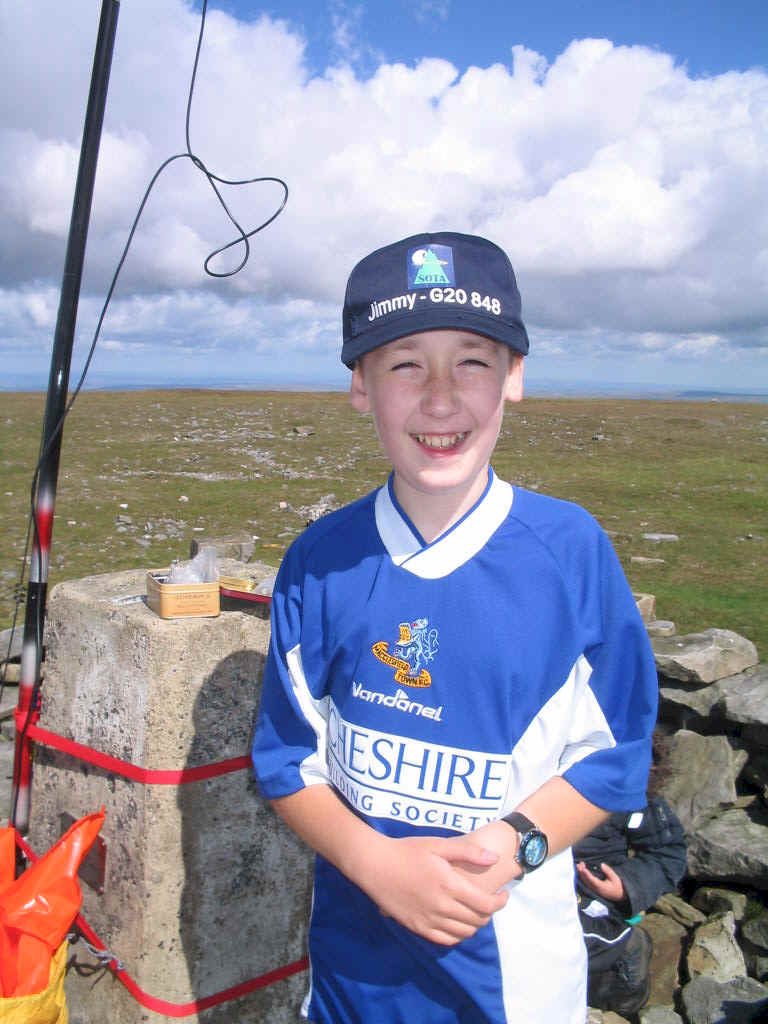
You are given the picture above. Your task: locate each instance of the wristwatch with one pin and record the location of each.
(533, 848)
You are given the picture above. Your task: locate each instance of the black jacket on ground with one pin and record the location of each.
(645, 848)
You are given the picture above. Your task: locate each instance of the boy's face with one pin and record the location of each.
(437, 400)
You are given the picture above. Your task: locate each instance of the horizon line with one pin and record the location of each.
(550, 387)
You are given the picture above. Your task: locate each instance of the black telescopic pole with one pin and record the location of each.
(58, 383)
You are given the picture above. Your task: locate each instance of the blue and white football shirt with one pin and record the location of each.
(435, 686)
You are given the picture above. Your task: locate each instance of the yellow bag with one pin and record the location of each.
(48, 1007)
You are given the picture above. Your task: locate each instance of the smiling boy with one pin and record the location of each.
(437, 400)
(459, 685)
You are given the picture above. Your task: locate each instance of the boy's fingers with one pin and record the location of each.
(469, 906)
(444, 938)
(460, 924)
(468, 851)
(482, 905)
(450, 933)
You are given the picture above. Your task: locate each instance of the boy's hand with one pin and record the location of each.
(501, 839)
(610, 887)
(414, 881)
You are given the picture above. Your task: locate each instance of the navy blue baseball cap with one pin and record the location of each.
(428, 282)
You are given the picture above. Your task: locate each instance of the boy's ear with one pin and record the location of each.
(358, 394)
(513, 389)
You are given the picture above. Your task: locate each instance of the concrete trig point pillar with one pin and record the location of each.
(204, 888)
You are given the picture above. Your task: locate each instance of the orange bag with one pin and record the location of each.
(37, 910)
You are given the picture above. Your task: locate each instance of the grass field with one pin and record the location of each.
(142, 473)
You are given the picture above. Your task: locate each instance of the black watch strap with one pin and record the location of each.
(519, 822)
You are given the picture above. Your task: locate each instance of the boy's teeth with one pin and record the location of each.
(440, 440)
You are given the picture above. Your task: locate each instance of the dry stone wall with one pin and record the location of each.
(710, 940)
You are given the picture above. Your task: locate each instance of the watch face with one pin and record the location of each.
(533, 850)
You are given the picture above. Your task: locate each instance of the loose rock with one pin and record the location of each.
(717, 901)
(659, 1015)
(707, 1001)
(668, 939)
(715, 952)
(14, 638)
(646, 605)
(704, 657)
(729, 846)
(660, 627)
(699, 774)
(676, 908)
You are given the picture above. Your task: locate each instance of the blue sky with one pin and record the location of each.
(708, 36)
(617, 151)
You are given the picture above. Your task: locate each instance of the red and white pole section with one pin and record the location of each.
(30, 657)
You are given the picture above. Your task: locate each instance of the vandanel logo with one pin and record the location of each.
(416, 646)
(431, 266)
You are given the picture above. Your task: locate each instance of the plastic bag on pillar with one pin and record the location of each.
(37, 911)
(46, 1007)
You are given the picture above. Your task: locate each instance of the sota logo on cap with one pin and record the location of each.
(430, 266)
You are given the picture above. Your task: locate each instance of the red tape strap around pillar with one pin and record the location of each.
(187, 1009)
(148, 776)
(177, 1009)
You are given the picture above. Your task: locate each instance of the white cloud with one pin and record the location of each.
(346, 20)
(114, 345)
(427, 10)
(696, 345)
(629, 196)
(27, 310)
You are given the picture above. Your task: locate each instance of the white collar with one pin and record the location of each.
(453, 548)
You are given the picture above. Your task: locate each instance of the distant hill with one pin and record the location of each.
(723, 396)
(606, 389)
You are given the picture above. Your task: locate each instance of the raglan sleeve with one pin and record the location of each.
(620, 686)
(288, 750)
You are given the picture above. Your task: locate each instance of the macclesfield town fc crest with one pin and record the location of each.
(416, 647)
